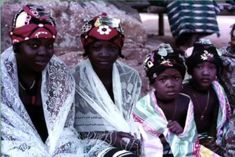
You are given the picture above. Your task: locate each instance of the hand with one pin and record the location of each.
(174, 127)
(125, 141)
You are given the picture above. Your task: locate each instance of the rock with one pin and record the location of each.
(70, 16)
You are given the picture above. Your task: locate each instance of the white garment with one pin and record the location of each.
(18, 135)
(95, 109)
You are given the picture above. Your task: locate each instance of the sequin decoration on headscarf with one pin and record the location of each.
(202, 51)
(102, 27)
(161, 59)
(32, 22)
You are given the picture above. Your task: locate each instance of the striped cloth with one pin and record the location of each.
(192, 17)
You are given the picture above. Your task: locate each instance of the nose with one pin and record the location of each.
(104, 52)
(205, 71)
(170, 83)
(42, 50)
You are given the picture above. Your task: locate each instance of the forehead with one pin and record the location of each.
(103, 42)
(38, 41)
(170, 72)
(206, 63)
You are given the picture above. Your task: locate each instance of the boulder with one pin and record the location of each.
(70, 16)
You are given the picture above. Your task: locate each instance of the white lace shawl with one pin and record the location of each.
(92, 97)
(18, 134)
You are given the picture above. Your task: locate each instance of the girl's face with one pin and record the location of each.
(34, 54)
(103, 54)
(168, 84)
(203, 74)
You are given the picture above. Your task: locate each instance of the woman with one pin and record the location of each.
(37, 92)
(106, 89)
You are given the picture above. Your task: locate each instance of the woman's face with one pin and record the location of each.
(203, 74)
(34, 54)
(168, 84)
(103, 54)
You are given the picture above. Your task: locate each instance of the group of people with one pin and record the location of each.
(95, 109)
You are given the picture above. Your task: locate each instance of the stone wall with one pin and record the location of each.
(70, 15)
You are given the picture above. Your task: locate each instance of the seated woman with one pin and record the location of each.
(211, 106)
(106, 89)
(164, 114)
(37, 93)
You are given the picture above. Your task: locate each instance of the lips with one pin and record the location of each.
(205, 80)
(171, 93)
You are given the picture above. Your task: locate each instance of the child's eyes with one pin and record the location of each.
(50, 46)
(162, 79)
(177, 78)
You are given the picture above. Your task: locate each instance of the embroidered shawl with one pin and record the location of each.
(18, 134)
(95, 110)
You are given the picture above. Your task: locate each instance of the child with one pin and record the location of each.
(211, 107)
(165, 113)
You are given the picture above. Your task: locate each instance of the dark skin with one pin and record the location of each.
(102, 55)
(32, 56)
(167, 87)
(205, 106)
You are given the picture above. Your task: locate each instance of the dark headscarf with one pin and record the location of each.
(161, 59)
(203, 51)
(32, 22)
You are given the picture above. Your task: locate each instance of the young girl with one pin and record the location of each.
(211, 107)
(164, 114)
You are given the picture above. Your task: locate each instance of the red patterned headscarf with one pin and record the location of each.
(32, 22)
(102, 27)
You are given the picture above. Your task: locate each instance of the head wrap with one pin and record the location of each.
(102, 27)
(161, 59)
(202, 51)
(32, 22)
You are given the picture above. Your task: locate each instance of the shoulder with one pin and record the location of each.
(123, 68)
(57, 66)
(184, 99)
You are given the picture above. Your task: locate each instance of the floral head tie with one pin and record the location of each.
(102, 27)
(31, 23)
(161, 59)
(202, 51)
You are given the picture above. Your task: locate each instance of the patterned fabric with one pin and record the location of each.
(95, 110)
(228, 75)
(153, 123)
(192, 17)
(30, 24)
(229, 138)
(102, 27)
(19, 138)
(161, 59)
(224, 113)
(203, 51)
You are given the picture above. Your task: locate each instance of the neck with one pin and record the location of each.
(198, 88)
(104, 73)
(162, 101)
